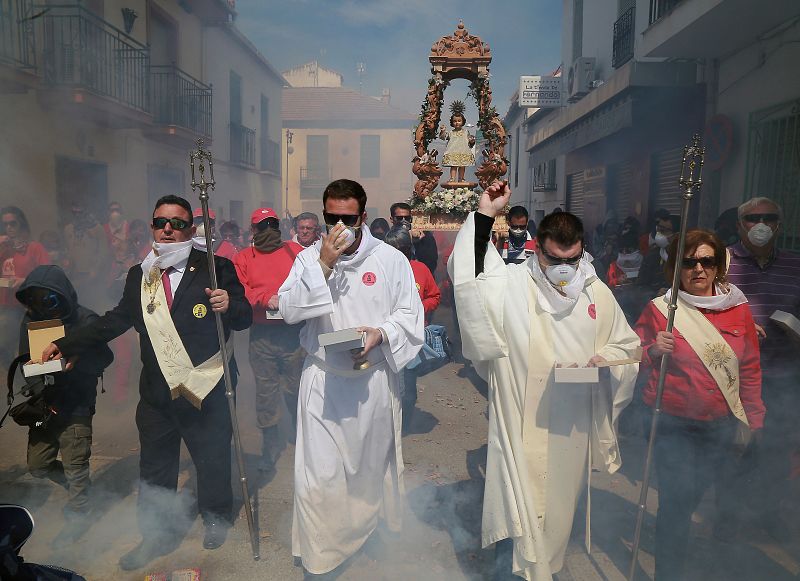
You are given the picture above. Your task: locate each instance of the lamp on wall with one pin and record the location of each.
(129, 16)
(289, 151)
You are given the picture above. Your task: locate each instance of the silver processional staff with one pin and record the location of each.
(203, 156)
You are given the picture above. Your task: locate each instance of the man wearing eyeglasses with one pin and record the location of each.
(518, 322)
(275, 353)
(168, 300)
(307, 229)
(770, 279)
(348, 461)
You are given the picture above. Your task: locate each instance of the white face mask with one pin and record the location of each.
(634, 259)
(760, 234)
(560, 275)
(661, 240)
(349, 233)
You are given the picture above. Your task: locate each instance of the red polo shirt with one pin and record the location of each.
(428, 291)
(262, 274)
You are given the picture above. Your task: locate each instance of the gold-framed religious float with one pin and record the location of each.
(445, 206)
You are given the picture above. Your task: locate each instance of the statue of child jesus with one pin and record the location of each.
(459, 153)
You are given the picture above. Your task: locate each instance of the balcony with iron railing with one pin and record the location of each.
(179, 100)
(243, 145)
(270, 156)
(658, 8)
(544, 177)
(314, 179)
(17, 37)
(83, 51)
(624, 31)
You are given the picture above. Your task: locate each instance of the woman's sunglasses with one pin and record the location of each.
(176, 223)
(706, 262)
(346, 219)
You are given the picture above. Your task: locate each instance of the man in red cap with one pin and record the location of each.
(222, 248)
(275, 353)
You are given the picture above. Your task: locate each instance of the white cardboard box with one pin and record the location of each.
(787, 322)
(577, 374)
(343, 340)
(273, 315)
(54, 366)
(6, 281)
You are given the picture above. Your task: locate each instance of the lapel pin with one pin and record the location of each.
(191, 269)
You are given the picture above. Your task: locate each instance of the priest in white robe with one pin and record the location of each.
(348, 460)
(517, 322)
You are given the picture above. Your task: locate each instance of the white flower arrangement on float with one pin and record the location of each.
(458, 202)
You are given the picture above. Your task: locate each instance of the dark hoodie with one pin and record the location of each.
(75, 391)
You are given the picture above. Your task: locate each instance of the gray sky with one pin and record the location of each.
(393, 38)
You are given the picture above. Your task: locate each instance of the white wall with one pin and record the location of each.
(756, 78)
(224, 53)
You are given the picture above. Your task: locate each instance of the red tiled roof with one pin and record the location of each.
(332, 104)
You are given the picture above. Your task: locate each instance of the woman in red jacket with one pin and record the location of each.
(712, 394)
(430, 295)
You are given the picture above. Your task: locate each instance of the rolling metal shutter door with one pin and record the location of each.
(622, 189)
(575, 193)
(666, 191)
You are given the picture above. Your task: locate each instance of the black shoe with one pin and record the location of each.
(725, 530)
(216, 533)
(143, 554)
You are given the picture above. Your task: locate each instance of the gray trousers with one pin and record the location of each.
(71, 437)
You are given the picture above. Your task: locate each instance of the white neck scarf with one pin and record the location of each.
(630, 263)
(725, 297)
(163, 256)
(550, 299)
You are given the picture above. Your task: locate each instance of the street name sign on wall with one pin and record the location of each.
(540, 91)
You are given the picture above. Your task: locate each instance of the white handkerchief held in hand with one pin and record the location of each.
(343, 340)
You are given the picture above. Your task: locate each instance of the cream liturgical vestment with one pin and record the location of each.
(348, 461)
(544, 438)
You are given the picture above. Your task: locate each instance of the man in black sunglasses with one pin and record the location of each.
(168, 300)
(348, 462)
(425, 248)
(518, 323)
(770, 279)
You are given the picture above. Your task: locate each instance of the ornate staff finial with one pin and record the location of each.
(202, 156)
(692, 166)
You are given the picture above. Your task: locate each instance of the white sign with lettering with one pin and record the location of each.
(540, 91)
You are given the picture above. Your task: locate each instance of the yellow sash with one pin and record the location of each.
(712, 349)
(183, 378)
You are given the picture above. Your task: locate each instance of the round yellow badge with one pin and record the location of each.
(199, 310)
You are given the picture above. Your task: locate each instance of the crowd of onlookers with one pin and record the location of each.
(636, 261)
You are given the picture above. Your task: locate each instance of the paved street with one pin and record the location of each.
(445, 458)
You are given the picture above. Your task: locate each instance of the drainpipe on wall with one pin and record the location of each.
(710, 195)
